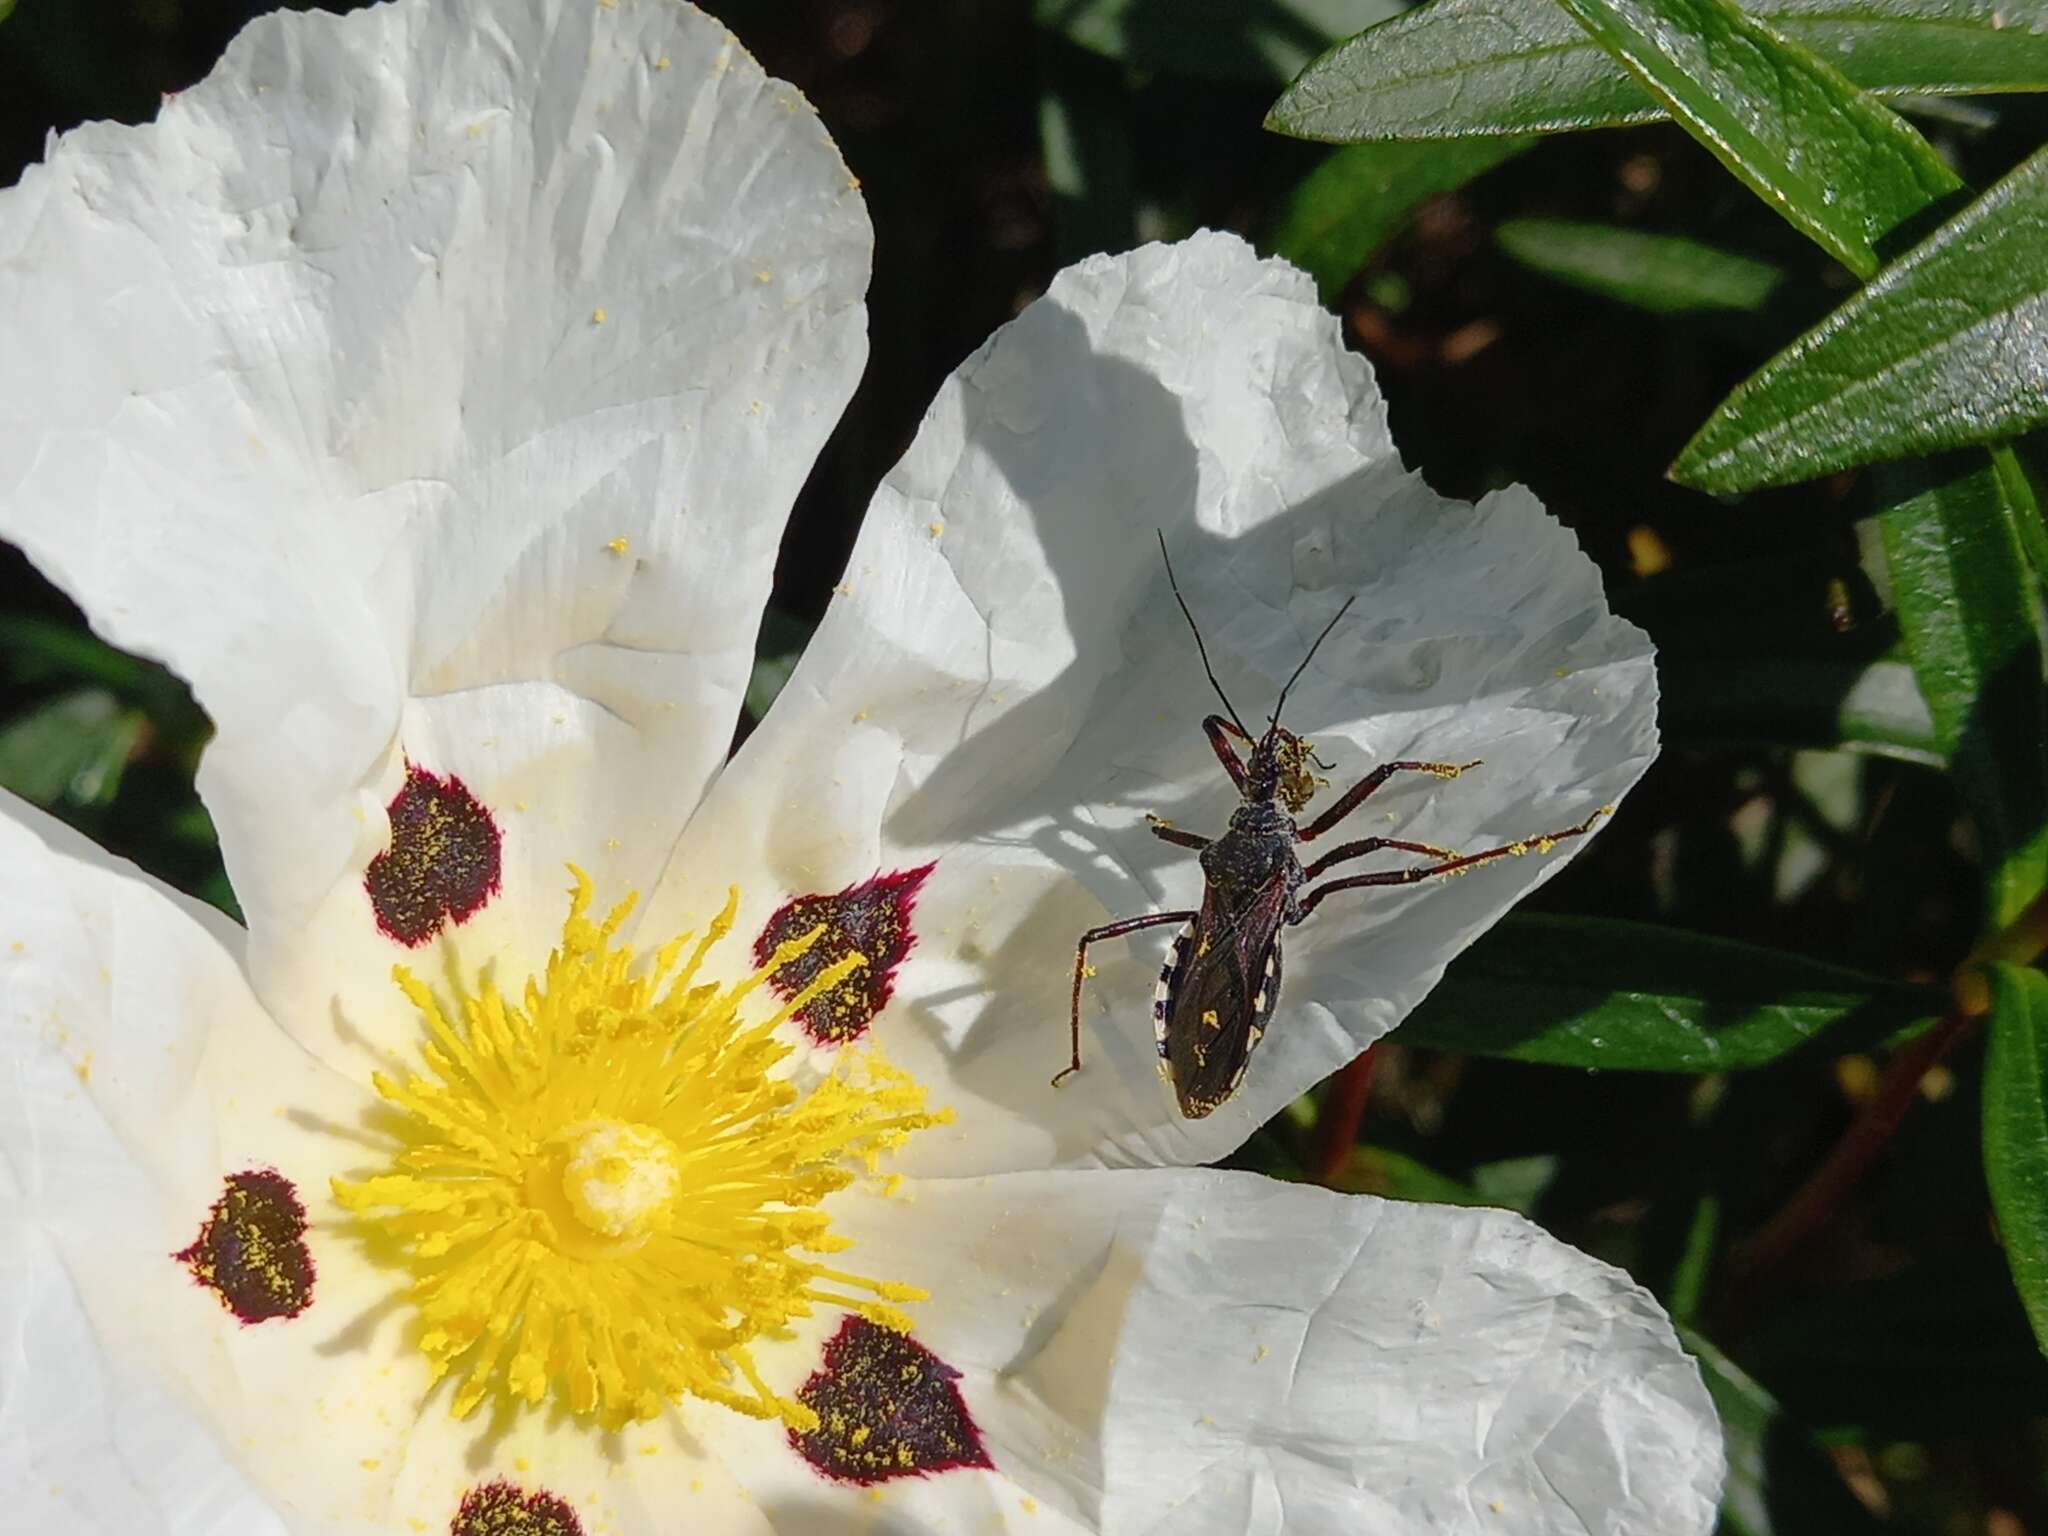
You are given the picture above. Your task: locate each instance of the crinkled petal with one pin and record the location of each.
(1006, 686)
(90, 1444)
(443, 360)
(1198, 1351)
(137, 1076)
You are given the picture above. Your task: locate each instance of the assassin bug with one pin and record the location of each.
(1220, 983)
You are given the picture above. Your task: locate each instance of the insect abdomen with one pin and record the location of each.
(1208, 1021)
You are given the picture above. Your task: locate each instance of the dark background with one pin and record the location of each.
(1912, 1395)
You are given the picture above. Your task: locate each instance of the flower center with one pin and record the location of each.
(618, 1179)
(604, 1189)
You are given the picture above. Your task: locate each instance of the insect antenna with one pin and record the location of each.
(1201, 649)
(1281, 702)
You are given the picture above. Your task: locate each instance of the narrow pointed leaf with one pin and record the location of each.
(1966, 609)
(1347, 207)
(1944, 349)
(1850, 175)
(1842, 169)
(1591, 992)
(70, 750)
(2016, 1131)
(1873, 707)
(1665, 274)
(1459, 67)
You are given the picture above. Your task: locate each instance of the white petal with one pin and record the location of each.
(441, 348)
(136, 1074)
(1214, 1352)
(652, 1479)
(1006, 685)
(91, 1445)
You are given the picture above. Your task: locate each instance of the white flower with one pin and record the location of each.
(429, 388)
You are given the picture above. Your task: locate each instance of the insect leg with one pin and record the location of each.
(1219, 731)
(1167, 832)
(1350, 800)
(1541, 843)
(1365, 845)
(1106, 931)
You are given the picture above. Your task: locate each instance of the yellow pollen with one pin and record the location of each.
(604, 1190)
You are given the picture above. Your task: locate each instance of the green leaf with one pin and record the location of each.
(1599, 993)
(36, 650)
(1464, 67)
(1084, 136)
(1801, 701)
(1268, 40)
(1965, 607)
(1793, 649)
(1780, 1481)
(781, 642)
(72, 748)
(1944, 349)
(1395, 1176)
(1516, 1183)
(1666, 274)
(1347, 207)
(1850, 174)
(2023, 505)
(1696, 1263)
(2016, 1131)
(1843, 170)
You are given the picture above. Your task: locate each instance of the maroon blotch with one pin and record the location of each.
(251, 1249)
(500, 1509)
(870, 918)
(443, 863)
(887, 1407)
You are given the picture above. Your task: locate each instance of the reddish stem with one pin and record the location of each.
(1829, 1184)
(1343, 1108)
(2020, 942)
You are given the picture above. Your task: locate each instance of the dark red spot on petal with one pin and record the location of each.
(887, 1407)
(442, 865)
(871, 918)
(251, 1249)
(499, 1509)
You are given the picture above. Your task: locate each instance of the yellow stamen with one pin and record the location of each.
(604, 1192)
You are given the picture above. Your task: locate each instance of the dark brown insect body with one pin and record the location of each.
(1221, 981)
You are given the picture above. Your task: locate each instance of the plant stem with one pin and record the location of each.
(1343, 1108)
(2020, 942)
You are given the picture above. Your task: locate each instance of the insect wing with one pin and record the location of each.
(1219, 989)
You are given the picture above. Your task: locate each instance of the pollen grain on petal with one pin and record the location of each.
(871, 918)
(607, 1186)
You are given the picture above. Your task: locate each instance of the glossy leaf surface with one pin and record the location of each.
(1666, 274)
(2016, 1131)
(1944, 349)
(1461, 67)
(1604, 994)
